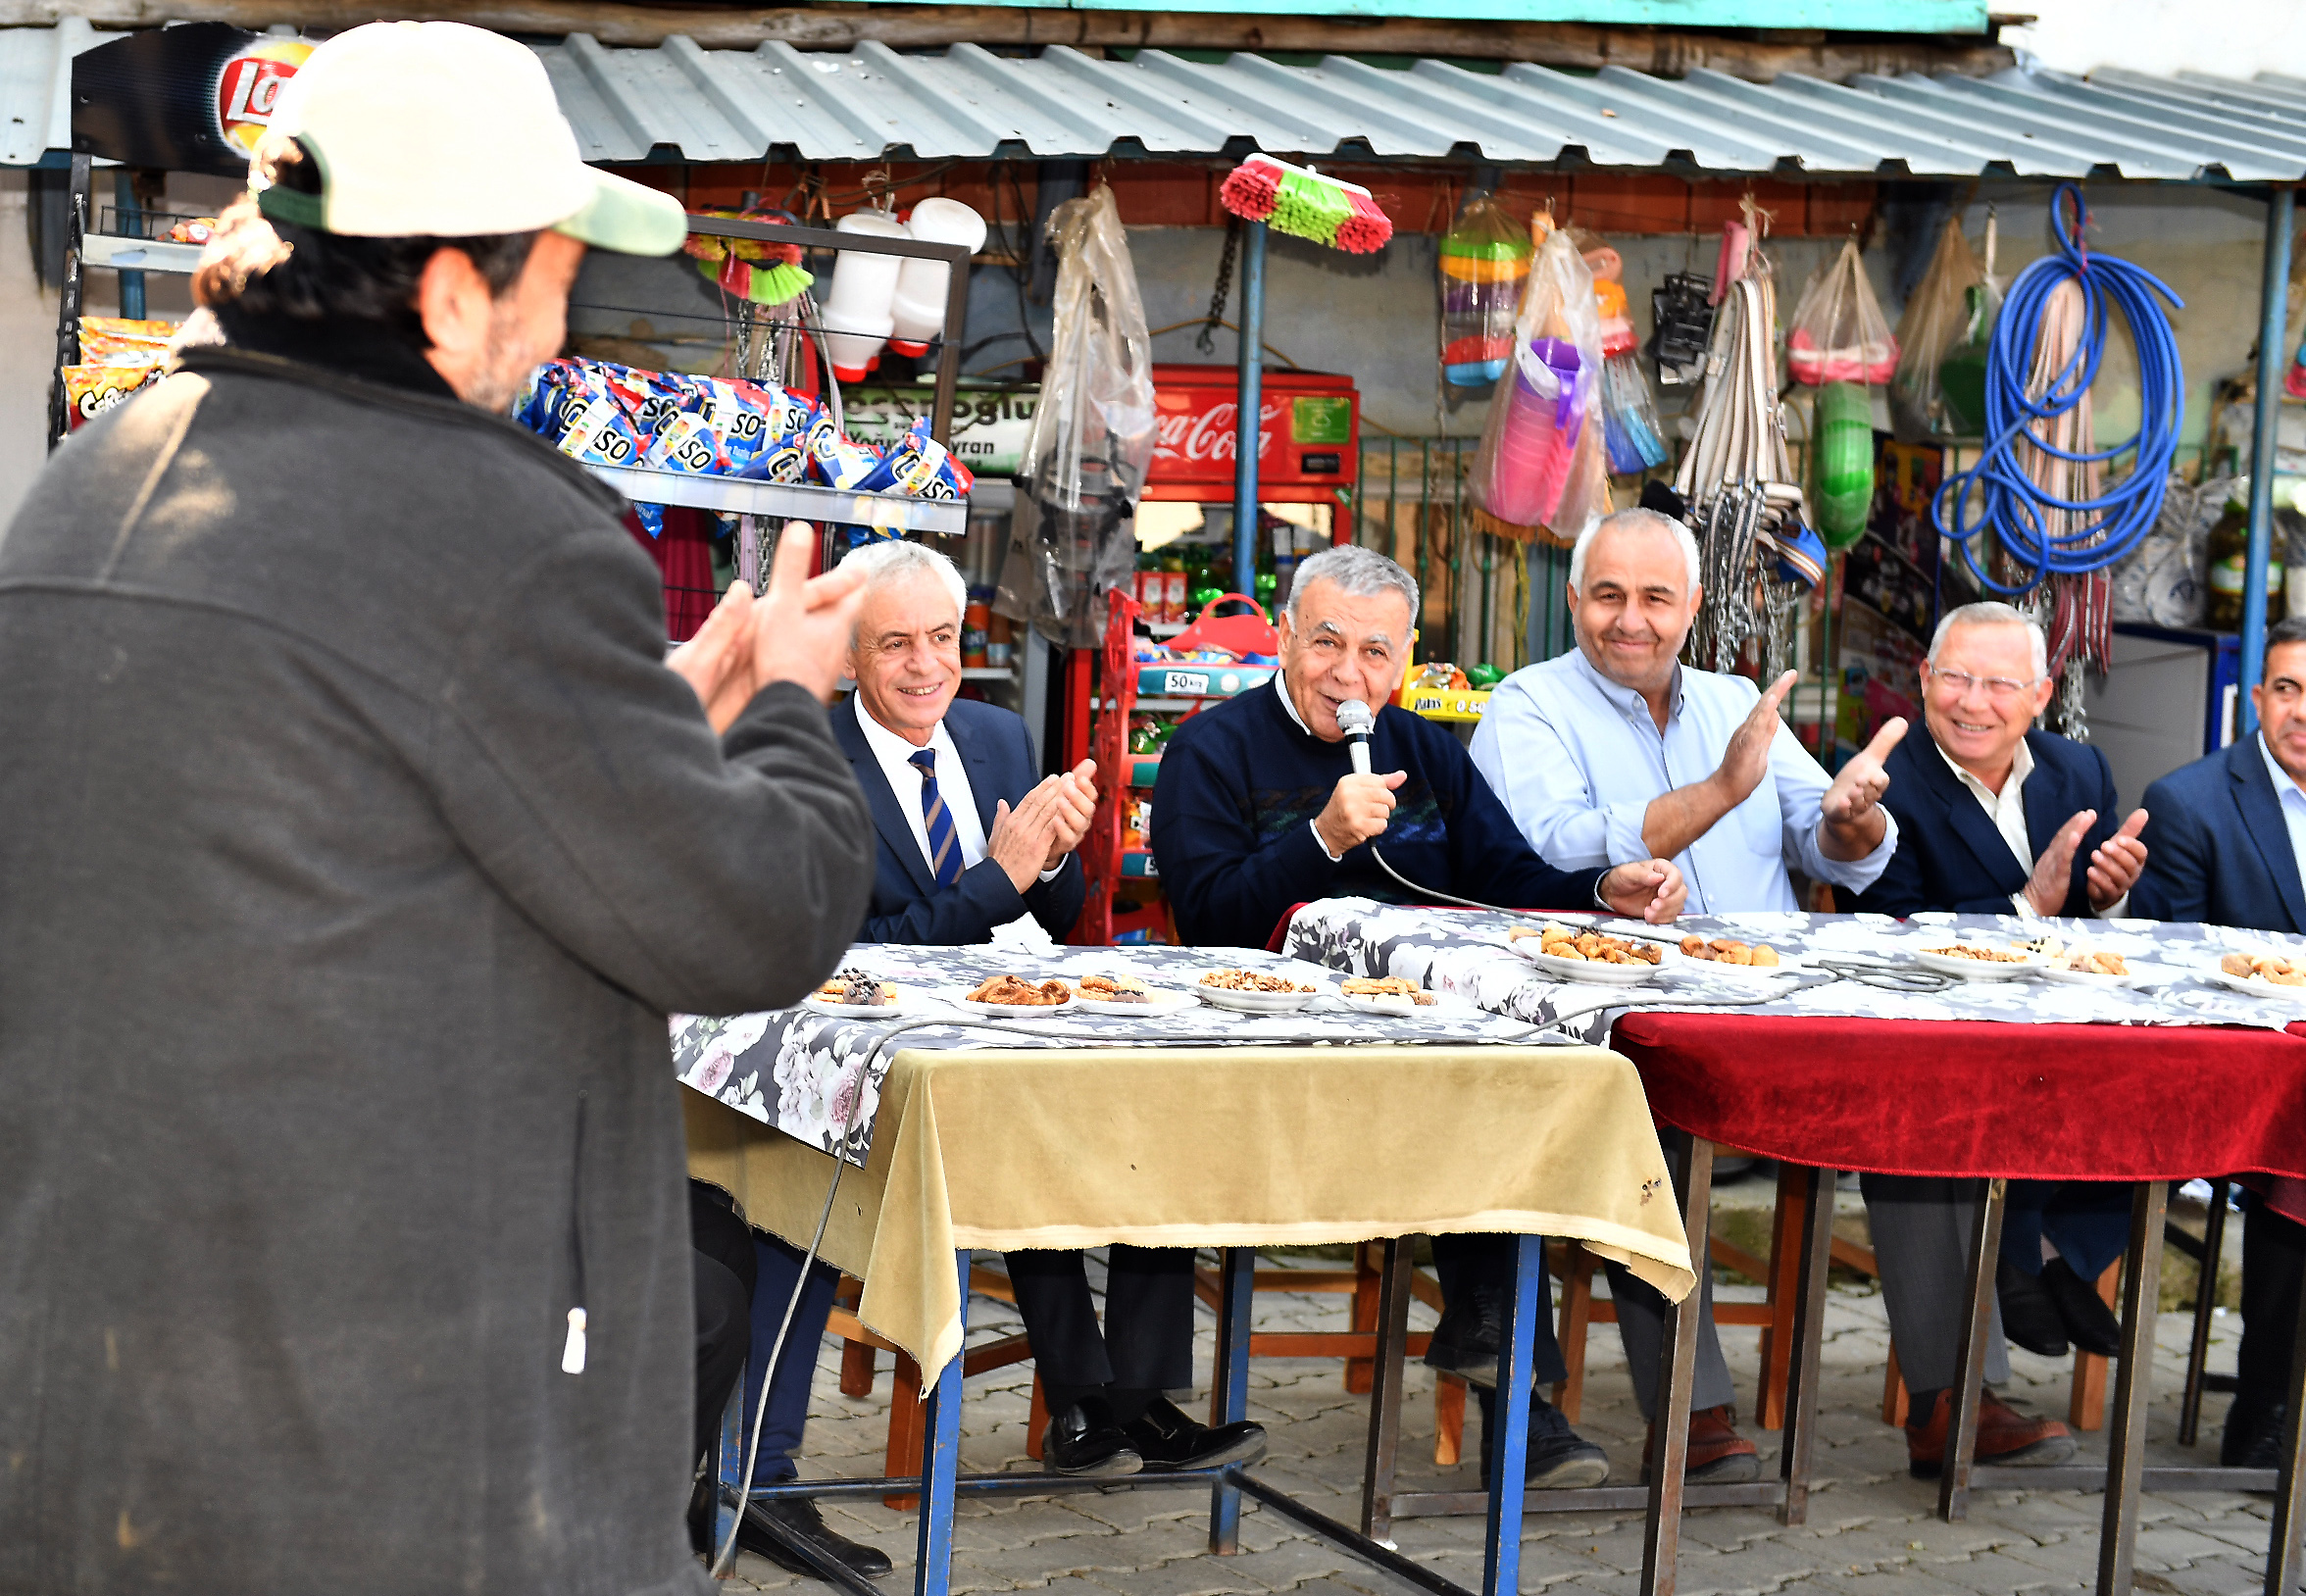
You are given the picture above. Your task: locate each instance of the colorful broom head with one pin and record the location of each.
(1306, 205)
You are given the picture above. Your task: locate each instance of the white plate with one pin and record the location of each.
(1225, 997)
(1976, 970)
(1786, 964)
(1160, 1000)
(1593, 971)
(2140, 976)
(1369, 1002)
(2254, 985)
(857, 1010)
(960, 999)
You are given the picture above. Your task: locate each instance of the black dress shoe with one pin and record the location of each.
(1083, 1441)
(1168, 1441)
(797, 1518)
(2090, 1323)
(2253, 1435)
(1466, 1340)
(1557, 1458)
(2030, 1314)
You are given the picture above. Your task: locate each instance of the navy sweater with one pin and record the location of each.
(1240, 783)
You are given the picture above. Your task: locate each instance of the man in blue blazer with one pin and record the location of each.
(2227, 833)
(1996, 817)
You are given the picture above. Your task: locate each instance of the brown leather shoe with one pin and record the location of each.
(2004, 1435)
(1717, 1454)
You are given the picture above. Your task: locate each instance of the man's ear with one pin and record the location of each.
(454, 304)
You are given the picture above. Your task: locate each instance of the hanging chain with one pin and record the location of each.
(1206, 341)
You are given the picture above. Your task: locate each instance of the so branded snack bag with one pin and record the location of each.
(837, 460)
(921, 468)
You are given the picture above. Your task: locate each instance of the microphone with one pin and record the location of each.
(1357, 722)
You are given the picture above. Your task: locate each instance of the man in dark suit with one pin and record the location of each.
(971, 838)
(1997, 818)
(2226, 836)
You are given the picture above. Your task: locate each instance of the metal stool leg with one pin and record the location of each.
(941, 1462)
(1661, 1544)
(1509, 1449)
(2286, 1559)
(2189, 1407)
(1384, 1437)
(1985, 1248)
(2125, 1429)
(1807, 1344)
(1230, 1381)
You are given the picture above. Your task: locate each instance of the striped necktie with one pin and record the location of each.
(944, 845)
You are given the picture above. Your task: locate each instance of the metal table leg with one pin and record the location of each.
(729, 1467)
(940, 1463)
(1661, 1542)
(1231, 1379)
(1961, 1446)
(2189, 1407)
(1803, 1372)
(2125, 1429)
(1509, 1449)
(2285, 1560)
(1384, 1435)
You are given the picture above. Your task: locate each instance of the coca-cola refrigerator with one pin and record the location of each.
(1308, 453)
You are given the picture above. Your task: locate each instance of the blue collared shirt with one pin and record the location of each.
(2293, 803)
(1578, 759)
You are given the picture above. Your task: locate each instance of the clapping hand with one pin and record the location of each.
(2116, 863)
(1747, 758)
(1073, 808)
(798, 631)
(1854, 821)
(1651, 888)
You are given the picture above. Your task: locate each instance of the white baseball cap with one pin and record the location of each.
(445, 130)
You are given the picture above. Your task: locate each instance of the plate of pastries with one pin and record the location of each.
(1978, 961)
(1015, 997)
(1384, 994)
(2096, 966)
(1729, 956)
(2263, 973)
(1119, 992)
(1257, 992)
(1580, 954)
(853, 993)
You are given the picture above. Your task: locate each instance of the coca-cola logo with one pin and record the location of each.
(1197, 436)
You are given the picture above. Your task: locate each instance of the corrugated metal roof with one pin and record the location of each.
(682, 102)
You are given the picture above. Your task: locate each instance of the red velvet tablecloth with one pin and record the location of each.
(1976, 1098)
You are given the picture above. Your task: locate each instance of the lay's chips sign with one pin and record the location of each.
(194, 98)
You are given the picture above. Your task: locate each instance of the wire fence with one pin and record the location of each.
(1485, 598)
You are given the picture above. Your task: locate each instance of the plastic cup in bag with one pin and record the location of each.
(1541, 434)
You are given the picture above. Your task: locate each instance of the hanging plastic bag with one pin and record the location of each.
(1838, 333)
(1485, 264)
(1944, 315)
(1541, 461)
(1630, 419)
(1092, 437)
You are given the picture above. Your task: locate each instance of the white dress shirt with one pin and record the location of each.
(2007, 810)
(1578, 761)
(2293, 804)
(904, 779)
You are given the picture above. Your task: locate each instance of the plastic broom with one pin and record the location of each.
(1305, 203)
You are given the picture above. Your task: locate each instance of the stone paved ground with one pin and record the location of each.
(1872, 1531)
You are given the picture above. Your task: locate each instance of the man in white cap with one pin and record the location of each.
(355, 842)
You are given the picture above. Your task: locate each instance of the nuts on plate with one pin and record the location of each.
(1252, 980)
(1979, 952)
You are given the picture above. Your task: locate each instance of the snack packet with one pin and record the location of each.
(92, 391)
(834, 458)
(921, 468)
(118, 340)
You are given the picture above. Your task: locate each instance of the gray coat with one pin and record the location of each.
(354, 844)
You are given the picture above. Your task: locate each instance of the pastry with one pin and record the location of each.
(1115, 989)
(1386, 986)
(1015, 991)
(856, 989)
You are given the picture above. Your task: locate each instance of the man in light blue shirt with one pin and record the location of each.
(1619, 747)
(1617, 752)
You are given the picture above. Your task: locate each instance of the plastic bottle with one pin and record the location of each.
(857, 315)
(919, 305)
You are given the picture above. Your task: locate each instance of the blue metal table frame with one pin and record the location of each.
(940, 1485)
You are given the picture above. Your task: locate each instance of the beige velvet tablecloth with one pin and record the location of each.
(1241, 1146)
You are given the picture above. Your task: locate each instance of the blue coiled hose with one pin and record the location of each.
(2008, 501)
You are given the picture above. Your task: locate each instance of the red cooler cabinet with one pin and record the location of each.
(1308, 437)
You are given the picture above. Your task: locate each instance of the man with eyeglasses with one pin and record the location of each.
(1997, 818)
(2227, 835)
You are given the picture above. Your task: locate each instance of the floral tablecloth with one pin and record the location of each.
(801, 1070)
(1464, 954)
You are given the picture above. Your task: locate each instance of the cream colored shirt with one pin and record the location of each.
(2007, 810)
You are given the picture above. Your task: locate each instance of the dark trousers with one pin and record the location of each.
(2086, 1220)
(1460, 1263)
(779, 1265)
(1147, 1341)
(722, 1252)
(2274, 1260)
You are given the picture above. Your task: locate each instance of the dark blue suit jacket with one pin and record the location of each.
(2216, 850)
(1949, 855)
(907, 905)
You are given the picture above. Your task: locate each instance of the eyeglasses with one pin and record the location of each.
(2001, 689)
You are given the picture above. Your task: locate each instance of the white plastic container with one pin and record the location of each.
(857, 318)
(919, 307)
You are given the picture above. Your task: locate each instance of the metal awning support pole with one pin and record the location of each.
(2272, 322)
(1247, 416)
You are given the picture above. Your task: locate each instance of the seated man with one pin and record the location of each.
(2227, 837)
(1994, 816)
(1616, 751)
(1258, 809)
(970, 841)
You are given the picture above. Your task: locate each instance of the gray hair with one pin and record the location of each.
(1992, 613)
(1359, 573)
(1630, 521)
(883, 563)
